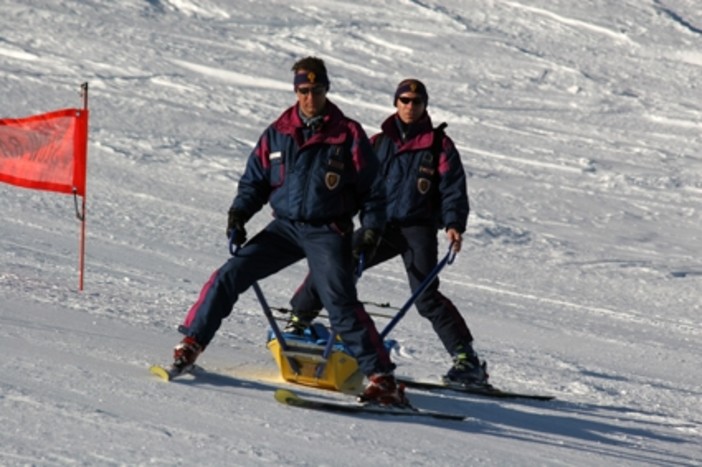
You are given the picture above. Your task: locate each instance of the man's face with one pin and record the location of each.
(410, 107)
(312, 98)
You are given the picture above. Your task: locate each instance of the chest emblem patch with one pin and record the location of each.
(332, 180)
(423, 185)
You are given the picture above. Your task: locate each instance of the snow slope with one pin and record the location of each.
(579, 124)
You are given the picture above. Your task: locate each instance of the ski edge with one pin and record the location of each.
(489, 391)
(290, 398)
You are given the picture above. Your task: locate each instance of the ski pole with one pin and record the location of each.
(448, 259)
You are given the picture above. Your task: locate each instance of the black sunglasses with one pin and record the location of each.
(414, 100)
(315, 90)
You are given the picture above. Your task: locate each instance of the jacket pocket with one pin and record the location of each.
(277, 171)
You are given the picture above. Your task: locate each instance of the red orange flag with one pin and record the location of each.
(45, 152)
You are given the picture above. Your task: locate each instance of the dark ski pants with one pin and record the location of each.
(280, 244)
(418, 247)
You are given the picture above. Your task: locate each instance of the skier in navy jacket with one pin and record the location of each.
(426, 189)
(316, 168)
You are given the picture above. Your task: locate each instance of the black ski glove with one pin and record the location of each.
(365, 244)
(235, 227)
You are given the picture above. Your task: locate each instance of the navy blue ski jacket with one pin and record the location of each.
(325, 179)
(422, 189)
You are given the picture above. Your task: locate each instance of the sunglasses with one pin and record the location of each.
(315, 90)
(414, 100)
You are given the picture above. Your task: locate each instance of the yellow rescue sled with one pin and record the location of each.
(324, 361)
(316, 362)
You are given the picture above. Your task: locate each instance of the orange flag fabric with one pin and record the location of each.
(45, 152)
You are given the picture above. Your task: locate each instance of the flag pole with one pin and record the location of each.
(81, 215)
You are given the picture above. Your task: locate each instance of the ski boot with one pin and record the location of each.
(185, 354)
(467, 370)
(299, 322)
(383, 389)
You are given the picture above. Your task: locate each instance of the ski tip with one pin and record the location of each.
(285, 396)
(160, 371)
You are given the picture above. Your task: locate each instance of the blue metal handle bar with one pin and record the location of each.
(264, 304)
(360, 266)
(448, 259)
(267, 311)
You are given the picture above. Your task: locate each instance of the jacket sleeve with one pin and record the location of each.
(254, 186)
(452, 188)
(370, 189)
